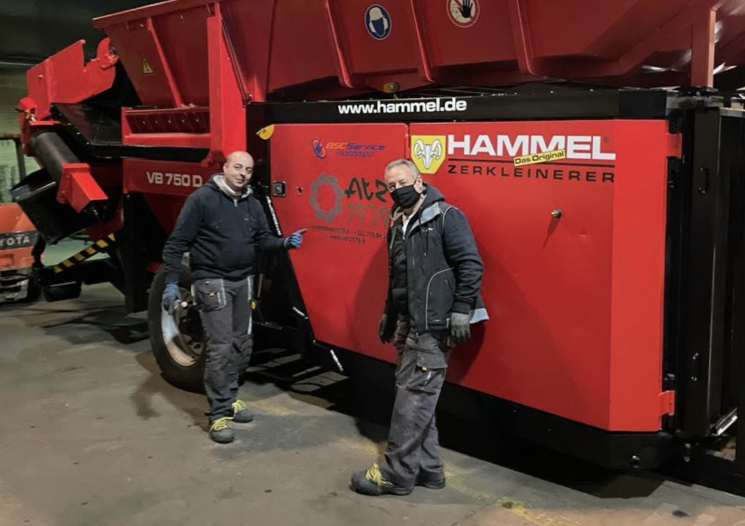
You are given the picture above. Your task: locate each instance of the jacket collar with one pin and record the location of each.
(217, 182)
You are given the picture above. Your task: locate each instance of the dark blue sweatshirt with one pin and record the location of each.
(222, 234)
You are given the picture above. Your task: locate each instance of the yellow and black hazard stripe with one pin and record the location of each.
(96, 248)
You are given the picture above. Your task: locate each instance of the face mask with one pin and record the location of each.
(406, 196)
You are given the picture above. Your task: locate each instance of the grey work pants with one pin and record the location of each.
(421, 365)
(225, 311)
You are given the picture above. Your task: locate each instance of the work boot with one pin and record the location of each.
(241, 413)
(373, 482)
(431, 480)
(220, 431)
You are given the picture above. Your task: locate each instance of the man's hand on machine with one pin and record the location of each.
(295, 239)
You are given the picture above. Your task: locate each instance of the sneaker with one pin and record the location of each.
(373, 482)
(431, 480)
(241, 413)
(220, 431)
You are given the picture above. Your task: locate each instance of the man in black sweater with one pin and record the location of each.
(221, 225)
(434, 286)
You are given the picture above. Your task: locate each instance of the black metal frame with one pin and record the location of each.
(559, 105)
(706, 298)
(140, 242)
(86, 273)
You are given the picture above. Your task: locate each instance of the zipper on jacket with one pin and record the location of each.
(426, 297)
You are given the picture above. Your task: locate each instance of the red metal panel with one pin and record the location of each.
(227, 111)
(65, 77)
(366, 53)
(251, 49)
(567, 334)
(155, 9)
(164, 50)
(142, 57)
(547, 283)
(187, 127)
(307, 46)
(702, 58)
(575, 301)
(449, 43)
(639, 219)
(183, 39)
(187, 140)
(376, 40)
(599, 29)
(731, 34)
(335, 190)
(163, 177)
(78, 188)
(164, 185)
(165, 208)
(290, 43)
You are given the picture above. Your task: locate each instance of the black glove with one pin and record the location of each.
(171, 294)
(381, 329)
(460, 328)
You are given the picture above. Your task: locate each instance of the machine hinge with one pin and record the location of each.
(667, 403)
(674, 169)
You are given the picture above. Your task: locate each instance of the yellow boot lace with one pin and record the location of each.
(374, 474)
(238, 405)
(220, 424)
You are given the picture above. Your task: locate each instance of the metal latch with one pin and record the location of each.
(279, 188)
(667, 403)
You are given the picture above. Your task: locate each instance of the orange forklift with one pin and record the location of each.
(17, 240)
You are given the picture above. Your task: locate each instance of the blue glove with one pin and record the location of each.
(295, 239)
(171, 295)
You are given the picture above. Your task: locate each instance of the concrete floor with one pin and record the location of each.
(92, 436)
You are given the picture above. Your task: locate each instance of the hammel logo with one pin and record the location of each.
(565, 147)
(428, 152)
(583, 158)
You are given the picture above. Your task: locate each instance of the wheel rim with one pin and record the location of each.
(182, 332)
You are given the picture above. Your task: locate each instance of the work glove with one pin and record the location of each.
(460, 328)
(384, 338)
(171, 295)
(295, 239)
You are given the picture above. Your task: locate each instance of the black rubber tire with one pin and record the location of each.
(34, 291)
(180, 363)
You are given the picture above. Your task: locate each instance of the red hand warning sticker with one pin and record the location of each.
(463, 13)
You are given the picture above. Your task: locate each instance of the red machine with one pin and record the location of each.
(609, 219)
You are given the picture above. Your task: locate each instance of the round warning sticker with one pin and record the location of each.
(378, 22)
(463, 13)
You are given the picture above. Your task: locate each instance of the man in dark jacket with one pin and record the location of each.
(221, 225)
(433, 297)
